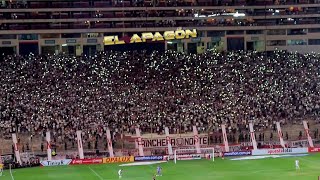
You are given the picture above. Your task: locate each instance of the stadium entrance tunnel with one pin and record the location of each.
(5, 51)
(192, 48)
(235, 44)
(89, 49)
(175, 45)
(50, 49)
(69, 49)
(27, 48)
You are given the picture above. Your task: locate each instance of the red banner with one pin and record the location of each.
(311, 150)
(87, 161)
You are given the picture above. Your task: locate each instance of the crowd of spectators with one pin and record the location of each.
(122, 90)
(179, 17)
(147, 3)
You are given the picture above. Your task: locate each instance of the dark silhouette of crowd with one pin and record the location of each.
(122, 90)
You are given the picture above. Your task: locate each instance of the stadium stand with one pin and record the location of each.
(122, 90)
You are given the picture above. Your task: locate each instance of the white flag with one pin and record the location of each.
(16, 150)
(305, 124)
(49, 151)
(225, 138)
(139, 141)
(280, 135)
(166, 129)
(110, 148)
(253, 137)
(80, 147)
(196, 139)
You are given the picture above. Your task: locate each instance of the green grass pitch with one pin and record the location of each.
(263, 169)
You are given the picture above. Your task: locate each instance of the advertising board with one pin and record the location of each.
(279, 151)
(87, 161)
(237, 153)
(189, 157)
(124, 159)
(148, 158)
(63, 162)
(313, 150)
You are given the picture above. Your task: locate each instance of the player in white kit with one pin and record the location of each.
(120, 173)
(297, 165)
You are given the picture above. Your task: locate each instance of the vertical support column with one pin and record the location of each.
(253, 137)
(280, 135)
(49, 151)
(140, 143)
(225, 138)
(80, 147)
(166, 129)
(196, 139)
(305, 124)
(39, 48)
(58, 49)
(79, 49)
(16, 150)
(110, 148)
(18, 48)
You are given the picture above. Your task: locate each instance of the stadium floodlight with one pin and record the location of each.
(190, 154)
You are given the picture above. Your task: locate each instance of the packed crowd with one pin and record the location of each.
(147, 3)
(123, 90)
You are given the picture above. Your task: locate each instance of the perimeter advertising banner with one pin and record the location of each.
(189, 157)
(124, 159)
(313, 149)
(279, 151)
(237, 153)
(63, 162)
(87, 161)
(148, 158)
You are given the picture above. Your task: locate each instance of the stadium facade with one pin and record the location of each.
(78, 27)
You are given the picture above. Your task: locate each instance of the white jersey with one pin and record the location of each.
(120, 172)
(297, 165)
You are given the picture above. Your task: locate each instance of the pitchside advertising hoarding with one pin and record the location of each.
(237, 153)
(86, 161)
(313, 150)
(124, 159)
(279, 151)
(148, 158)
(63, 162)
(189, 157)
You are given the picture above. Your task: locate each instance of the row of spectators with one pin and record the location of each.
(158, 23)
(196, 13)
(147, 3)
(123, 90)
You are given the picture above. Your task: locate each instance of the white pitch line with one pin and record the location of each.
(11, 174)
(94, 172)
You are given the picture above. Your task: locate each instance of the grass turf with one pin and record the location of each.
(263, 169)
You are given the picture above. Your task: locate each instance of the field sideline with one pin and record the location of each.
(262, 169)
